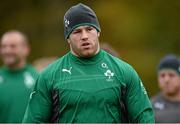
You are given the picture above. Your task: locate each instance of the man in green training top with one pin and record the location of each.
(16, 77)
(84, 86)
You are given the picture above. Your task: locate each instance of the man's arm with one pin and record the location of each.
(136, 99)
(39, 107)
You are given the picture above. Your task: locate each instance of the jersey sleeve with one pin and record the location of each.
(137, 101)
(39, 106)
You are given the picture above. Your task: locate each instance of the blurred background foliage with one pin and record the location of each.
(140, 31)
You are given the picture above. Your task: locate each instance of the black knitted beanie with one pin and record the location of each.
(79, 15)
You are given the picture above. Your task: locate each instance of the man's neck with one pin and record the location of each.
(75, 54)
(174, 98)
(17, 66)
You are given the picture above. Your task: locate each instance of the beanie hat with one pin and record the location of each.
(170, 62)
(79, 15)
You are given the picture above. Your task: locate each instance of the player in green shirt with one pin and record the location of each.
(16, 77)
(84, 86)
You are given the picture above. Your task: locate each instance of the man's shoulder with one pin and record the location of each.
(121, 64)
(121, 67)
(117, 60)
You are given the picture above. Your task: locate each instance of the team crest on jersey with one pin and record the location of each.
(28, 80)
(109, 74)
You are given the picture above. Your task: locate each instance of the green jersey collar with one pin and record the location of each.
(87, 61)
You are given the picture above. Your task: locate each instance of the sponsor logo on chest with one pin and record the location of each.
(107, 72)
(65, 70)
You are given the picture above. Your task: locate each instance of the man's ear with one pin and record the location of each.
(68, 40)
(98, 34)
(26, 51)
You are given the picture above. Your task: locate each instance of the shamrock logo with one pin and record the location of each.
(109, 74)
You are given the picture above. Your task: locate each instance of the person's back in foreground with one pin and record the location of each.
(167, 103)
(85, 84)
(17, 78)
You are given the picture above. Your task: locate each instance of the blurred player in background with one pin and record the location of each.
(17, 78)
(167, 103)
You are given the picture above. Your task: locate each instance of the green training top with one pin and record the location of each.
(78, 90)
(15, 88)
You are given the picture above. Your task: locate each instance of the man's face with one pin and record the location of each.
(169, 82)
(13, 49)
(84, 41)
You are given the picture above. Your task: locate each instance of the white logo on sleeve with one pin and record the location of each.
(28, 80)
(143, 88)
(66, 70)
(31, 95)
